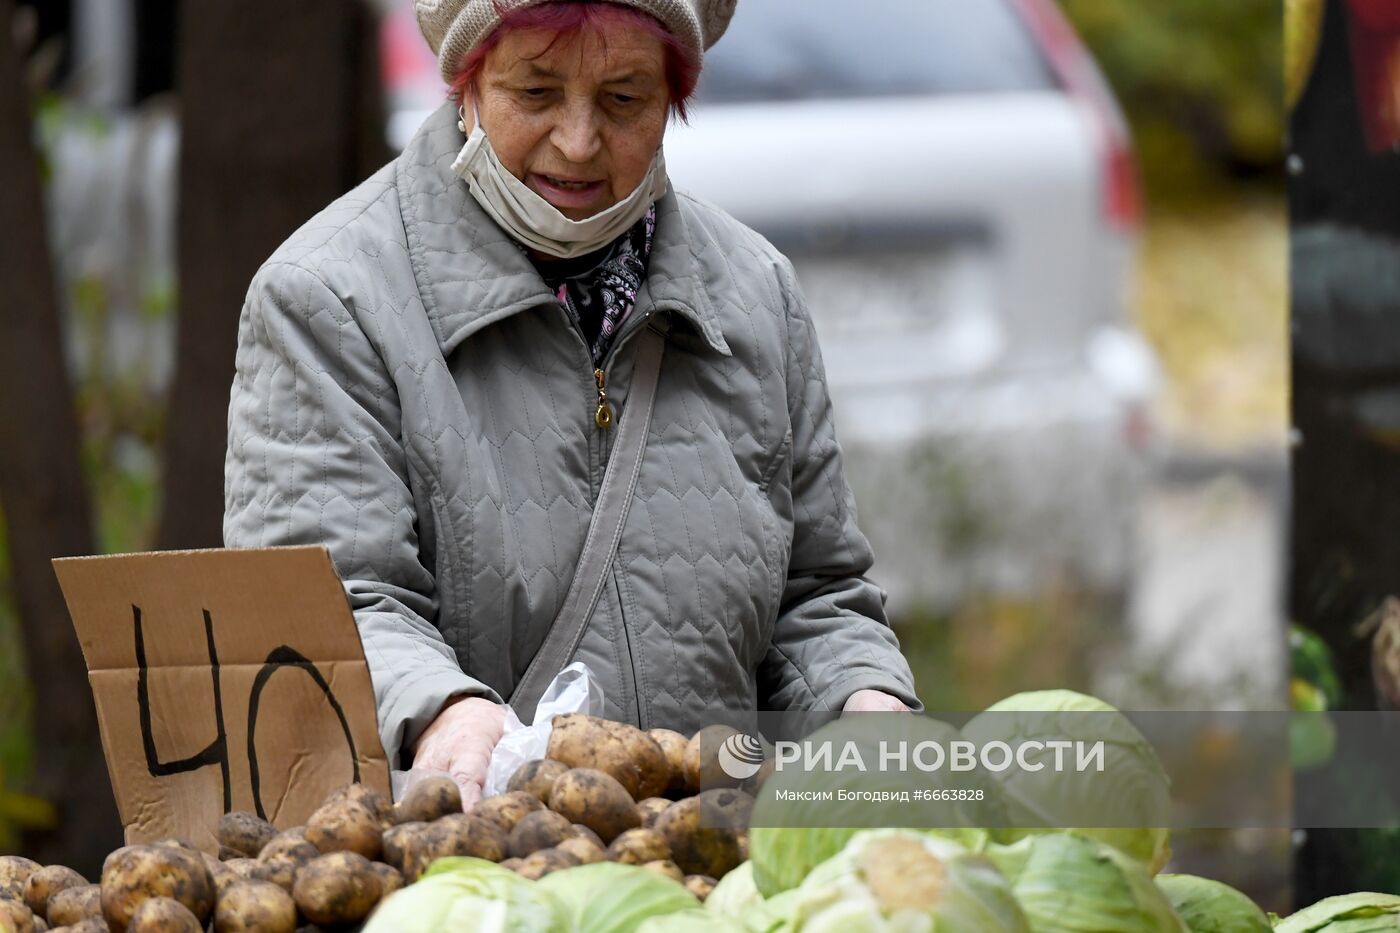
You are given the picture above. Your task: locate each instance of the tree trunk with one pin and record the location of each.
(1344, 207)
(280, 114)
(44, 498)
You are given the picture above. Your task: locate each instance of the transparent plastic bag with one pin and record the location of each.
(573, 690)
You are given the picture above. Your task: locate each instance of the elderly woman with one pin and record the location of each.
(543, 408)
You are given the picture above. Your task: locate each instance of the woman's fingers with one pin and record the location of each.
(471, 795)
(460, 742)
(867, 701)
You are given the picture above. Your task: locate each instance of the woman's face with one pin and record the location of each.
(579, 123)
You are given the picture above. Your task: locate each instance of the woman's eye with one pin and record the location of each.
(623, 99)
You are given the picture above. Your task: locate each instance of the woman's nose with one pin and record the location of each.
(576, 134)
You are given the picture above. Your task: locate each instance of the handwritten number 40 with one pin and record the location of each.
(217, 752)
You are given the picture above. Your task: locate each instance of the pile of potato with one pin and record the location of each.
(605, 791)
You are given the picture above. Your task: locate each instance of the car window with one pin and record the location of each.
(808, 49)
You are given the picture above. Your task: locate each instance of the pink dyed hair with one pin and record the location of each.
(566, 17)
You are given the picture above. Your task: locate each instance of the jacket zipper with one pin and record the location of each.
(603, 419)
(603, 416)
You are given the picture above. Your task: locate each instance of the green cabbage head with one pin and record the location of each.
(1362, 912)
(1068, 883)
(608, 897)
(774, 914)
(694, 920)
(1209, 906)
(736, 894)
(898, 881)
(468, 895)
(1132, 794)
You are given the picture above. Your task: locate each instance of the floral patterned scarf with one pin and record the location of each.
(599, 289)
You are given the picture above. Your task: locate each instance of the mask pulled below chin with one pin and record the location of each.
(535, 222)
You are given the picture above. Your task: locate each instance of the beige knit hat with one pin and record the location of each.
(454, 27)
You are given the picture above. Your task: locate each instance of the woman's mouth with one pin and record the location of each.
(565, 192)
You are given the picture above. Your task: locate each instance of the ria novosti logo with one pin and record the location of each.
(741, 756)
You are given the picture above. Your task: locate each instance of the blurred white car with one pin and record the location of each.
(955, 186)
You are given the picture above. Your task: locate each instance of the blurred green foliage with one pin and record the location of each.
(1200, 82)
(121, 416)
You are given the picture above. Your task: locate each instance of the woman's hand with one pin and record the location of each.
(460, 741)
(871, 701)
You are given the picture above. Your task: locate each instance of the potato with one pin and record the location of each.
(585, 850)
(70, 905)
(542, 829)
(537, 777)
(395, 841)
(726, 808)
(753, 785)
(244, 833)
(367, 797)
(639, 846)
(280, 870)
(703, 831)
(14, 872)
(41, 925)
(390, 878)
(673, 746)
(255, 907)
(668, 868)
(96, 925)
(538, 864)
(135, 874)
(282, 858)
(222, 876)
(623, 751)
(419, 850)
(414, 851)
(345, 826)
(428, 800)
(243, 869)
(287, 841)
(340, 887)
(702, 769)
(651, 808)
(595, 799)
(17, 915)
(163, 915)
(464, 834)
(45, 883)
(210, 862)
(505, 810)
(700, 885)
(513, 864)
(742, 838)
(579, 831)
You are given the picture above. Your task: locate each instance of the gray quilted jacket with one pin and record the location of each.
(409, 394)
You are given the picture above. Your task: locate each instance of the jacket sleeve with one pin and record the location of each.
(315, 457)
(831, 637)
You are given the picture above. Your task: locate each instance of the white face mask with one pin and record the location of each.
(534, 221)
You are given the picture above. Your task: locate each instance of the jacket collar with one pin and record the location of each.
(470, 273)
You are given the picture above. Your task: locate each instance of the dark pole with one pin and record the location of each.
(45, 499)
(280, 114)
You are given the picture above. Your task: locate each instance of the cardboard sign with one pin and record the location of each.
(224, 680)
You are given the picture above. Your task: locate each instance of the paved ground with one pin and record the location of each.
(1206, 619)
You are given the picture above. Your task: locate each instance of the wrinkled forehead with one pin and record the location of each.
(598, 53)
